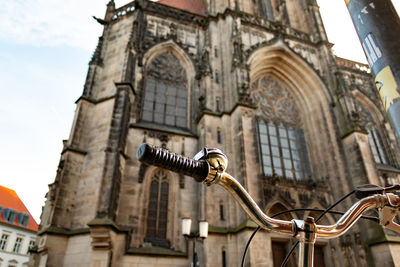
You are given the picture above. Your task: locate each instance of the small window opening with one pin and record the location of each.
(216, 77)
(17, 245)
(221, 212)
(223, 258)
(219, 137)
(3, 241)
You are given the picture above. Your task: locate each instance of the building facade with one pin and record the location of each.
(17, 229)
(257, 79)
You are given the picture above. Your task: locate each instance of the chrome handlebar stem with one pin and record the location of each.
(251, 207)
(347, 220)
(209, 166)
(218, 162)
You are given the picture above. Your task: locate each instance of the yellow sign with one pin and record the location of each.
(387, 87)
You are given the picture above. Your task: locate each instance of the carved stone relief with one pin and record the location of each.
(251, 36)
(274, 102)
(360, 82)
(308, 53)
(159, 29)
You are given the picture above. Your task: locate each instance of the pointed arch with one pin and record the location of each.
(167, 86)
(374, 111)
(279, 206)
(171, 46)
(326, 220)
(278, 59)
(311, 95)
(282, 145)
(159, 207)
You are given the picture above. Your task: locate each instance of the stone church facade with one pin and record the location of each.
(255, 78)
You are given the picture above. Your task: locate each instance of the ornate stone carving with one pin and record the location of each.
(203, 64)
(309, 53)
(167, 67)
(282, 14)
(163, 137)
(304, 199)
(287, 196)
(96, 57)
(274, 102)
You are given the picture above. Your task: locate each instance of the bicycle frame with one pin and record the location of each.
(306, 230)
(209, 165)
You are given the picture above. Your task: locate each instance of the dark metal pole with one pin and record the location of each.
(378, 27)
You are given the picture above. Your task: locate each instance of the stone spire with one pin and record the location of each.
(110, 10)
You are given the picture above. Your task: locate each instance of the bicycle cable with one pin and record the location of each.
(316, 220)
(327, 210)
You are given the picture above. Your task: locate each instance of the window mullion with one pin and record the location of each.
(290, 152)
(165, 102)
(158, 205)
(299, 149)
(154, 100)
(270, 148)
(278, 135)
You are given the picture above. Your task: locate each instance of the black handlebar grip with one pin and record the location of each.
(163, 158)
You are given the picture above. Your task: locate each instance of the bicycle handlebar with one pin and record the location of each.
(352, 215)
(163, 158)
(209, 166)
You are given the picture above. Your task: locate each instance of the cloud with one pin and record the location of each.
(51, 23)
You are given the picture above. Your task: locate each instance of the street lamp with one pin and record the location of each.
(203, 232)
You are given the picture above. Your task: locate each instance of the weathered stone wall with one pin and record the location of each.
(96, 210)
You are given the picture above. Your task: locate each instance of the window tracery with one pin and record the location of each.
(281, 138)
(165, 98)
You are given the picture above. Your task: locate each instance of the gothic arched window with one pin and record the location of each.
(281, 138)
(157, 213)
(165, 98)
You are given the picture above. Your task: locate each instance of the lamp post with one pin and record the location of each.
(203, 232)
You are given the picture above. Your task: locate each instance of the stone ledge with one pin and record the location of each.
(94, 101)
(162, 128)
(125, 84)
(55, 230)
(384, 239)
(156, 251)
(222, 113)
(386, 167)
(74, 149)
(225, 230)
(106, 222)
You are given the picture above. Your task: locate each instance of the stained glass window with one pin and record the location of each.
(165, 98)
(158, 210)
(281, 138)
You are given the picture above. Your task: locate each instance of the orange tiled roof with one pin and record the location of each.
(9, 199)
(194, 6)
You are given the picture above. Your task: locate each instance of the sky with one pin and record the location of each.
(45, 47)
